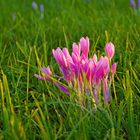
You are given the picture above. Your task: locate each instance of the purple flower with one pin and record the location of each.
(84, 44)
(41, 8)
(106, 91)
(34, 5)
(139, 3)
(113, 68)
(62, 87)
(132, 3)
(46, 73)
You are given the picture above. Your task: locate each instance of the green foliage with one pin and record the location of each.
(33, 109)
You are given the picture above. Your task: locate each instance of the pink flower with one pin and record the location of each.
(84, 44)
(46, 74)
(85, 75)
(113, 68)
(106, 91)
(60, 57)
(76, 49)
(110, 50)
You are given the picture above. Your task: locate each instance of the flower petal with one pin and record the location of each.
(106, 91)
(63, 88)
(113, 68)
(110, 50)
(46, 71)
(41, 77)
(84, 44)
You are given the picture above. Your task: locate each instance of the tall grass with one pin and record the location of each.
(33, 109)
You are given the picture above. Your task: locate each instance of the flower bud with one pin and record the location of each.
(132, 3)
(110, 50)
(113, 68)
(34, 5)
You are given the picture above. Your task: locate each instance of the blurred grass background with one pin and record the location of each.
(32, 109)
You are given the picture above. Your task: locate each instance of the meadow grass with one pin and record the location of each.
(33, 109)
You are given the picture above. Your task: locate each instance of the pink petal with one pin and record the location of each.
(110, 50)
(41, 77)
(46, 71)
(106, 91)
(95, 96)
(76, 49)
(66, 53)
(113, 68)
(95, 58)
(106, 65)
(60, 57)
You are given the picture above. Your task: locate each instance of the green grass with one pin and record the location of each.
(33, 109)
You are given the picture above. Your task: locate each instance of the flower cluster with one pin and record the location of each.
(85, 75)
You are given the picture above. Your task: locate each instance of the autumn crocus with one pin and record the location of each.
(46, 75)
(34, 5)
(132, 3)
(110, 50)
(87, 76)
(138, 3)
(113, 68)
(84, 45)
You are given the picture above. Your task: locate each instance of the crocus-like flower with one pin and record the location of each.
(113, 68)
(85, 75)
(34, 5)
(41, 8)
(46, 74)
(139, 3)
(84, 44)
(110, 50)
(132, 3)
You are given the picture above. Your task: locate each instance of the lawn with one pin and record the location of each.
(34, 109)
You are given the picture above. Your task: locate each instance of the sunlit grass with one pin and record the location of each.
(33, 109)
